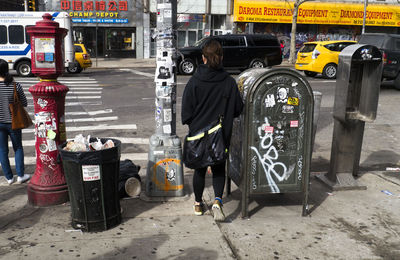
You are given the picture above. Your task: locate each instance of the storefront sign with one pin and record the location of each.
(186, 18)
(316, 13)
(95, 11)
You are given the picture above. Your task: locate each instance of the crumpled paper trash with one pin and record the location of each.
(82, 144)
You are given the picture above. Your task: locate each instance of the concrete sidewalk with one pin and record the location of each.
(342, 225)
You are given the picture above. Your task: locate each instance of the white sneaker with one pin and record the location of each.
(10, 181)
(23, 178)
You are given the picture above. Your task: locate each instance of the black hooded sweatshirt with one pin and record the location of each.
(202, 100)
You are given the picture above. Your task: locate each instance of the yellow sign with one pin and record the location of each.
(261, 11)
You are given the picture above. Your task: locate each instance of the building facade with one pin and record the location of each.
(317, 20)
(106, 27)
(199, 18)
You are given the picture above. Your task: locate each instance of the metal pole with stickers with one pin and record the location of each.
(164, 170)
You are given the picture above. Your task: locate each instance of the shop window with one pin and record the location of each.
(181, 38)
(192, 37)
(397, 44)
(120, 39)
(3, 34)
(16, 34)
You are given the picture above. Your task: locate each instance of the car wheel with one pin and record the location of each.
(257, 64)
(187, 67)
(310, 73)
(397, 82)
(74, 69)
(24, 69)
(330, 71)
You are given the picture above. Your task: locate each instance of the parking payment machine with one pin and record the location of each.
(356, 102)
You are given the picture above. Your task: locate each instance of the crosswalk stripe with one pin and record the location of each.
(73, 92)
(92, 119)
(90, 113)
(68, 85)
(30, 160)
(151, 75)
(92, 128)
(59, 78)
(72, 104)
(73, 97)
(61, 81)
(26, 89)
(124, 140)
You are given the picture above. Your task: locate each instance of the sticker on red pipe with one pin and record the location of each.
(294, 123)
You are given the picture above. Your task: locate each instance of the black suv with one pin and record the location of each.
(389, 45)
(241, 51)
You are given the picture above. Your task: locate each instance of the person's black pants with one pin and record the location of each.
(199, 176)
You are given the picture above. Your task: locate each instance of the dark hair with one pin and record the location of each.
(4, 72)
(212, 50)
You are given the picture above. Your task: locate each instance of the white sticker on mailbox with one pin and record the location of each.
(91, 172)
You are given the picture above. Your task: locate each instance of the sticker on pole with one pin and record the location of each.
(91, 172)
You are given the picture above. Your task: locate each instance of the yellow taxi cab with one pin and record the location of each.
(320, 57)
(82, 57)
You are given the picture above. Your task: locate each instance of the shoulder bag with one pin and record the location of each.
(207, 147)
(19, 117)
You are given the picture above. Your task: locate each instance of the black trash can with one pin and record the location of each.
(92, 179)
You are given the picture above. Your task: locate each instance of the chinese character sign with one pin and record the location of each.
(94, 5)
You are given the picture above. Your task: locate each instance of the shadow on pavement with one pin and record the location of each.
(147, 248)
(318, 194)
(380, 160)
(15, 208)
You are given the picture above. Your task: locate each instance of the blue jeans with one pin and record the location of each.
(16, 139)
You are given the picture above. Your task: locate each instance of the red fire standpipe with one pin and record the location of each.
(48, 186)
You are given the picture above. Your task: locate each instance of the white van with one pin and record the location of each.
(15, 47)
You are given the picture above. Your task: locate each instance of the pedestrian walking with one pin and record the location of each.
(6, 97)
(202, 103)
(282, 44)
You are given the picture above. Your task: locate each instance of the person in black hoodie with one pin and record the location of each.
(202, 103)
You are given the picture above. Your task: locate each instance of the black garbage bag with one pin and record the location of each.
(129, 179)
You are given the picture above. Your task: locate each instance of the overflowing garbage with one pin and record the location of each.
(82, 144)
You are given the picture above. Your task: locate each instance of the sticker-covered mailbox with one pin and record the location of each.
(271, 141)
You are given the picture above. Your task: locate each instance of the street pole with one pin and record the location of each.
(26, 5)
(164, 168)
(365, 16)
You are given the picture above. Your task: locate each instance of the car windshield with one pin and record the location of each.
(377, 41)
(308, 47)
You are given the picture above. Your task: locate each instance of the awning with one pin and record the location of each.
(261, 11)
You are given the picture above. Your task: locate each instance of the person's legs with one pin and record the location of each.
(218, 179)
(16, 139)
(199, 183)
(5, 163)
(218, 185)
